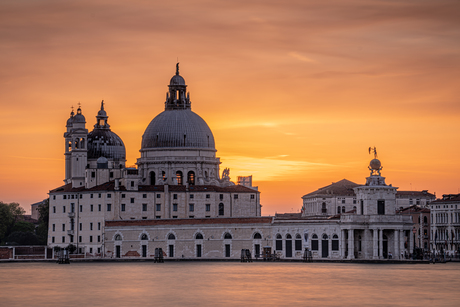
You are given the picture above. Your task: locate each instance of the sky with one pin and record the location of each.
(294, 91)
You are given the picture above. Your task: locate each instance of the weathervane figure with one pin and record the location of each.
(374, 150)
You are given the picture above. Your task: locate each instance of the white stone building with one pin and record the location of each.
(445, 224)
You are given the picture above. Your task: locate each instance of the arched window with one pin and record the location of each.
(191, 178)
(335, 242)
(221, 209)
(199, 236)
(257, 236)
(163, 175)
(325, 237)
(144, 237)
(425, 219)
(227, 236)
(288, 236)
(179, 177)
(118, 237)
(152, 178)
(314, 242)
(82, 143)
(171, 236)
(338, 210)
(279, 242)
(77, 141)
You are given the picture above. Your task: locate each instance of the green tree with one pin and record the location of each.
(22, 238)
(43, 221)
(23, 226)
(10, 214)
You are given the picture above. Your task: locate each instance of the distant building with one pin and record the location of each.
(421, 219)
(445, 224)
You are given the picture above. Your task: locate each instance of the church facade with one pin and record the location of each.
(176, 199)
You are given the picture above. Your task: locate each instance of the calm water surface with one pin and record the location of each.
(229, 284)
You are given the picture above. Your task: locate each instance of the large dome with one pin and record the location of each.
(105, 143)
(178, 128)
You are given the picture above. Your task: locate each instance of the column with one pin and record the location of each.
(342, 244)
(396, 253)
(380, 243)
(351, 245)
(401, 243)
(375, 234)
(411, 241)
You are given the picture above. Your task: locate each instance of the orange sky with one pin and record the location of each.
(294, 91)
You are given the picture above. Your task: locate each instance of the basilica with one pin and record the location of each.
(177, 199)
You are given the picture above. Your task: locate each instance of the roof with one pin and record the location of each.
(343, 187)
(413, 209)
(416, 194)
(205, 221)
(110, 186)
(448, 198)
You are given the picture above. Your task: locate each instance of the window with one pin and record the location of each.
(144, 207)
(81, 208)
(54, 196)
(171, 236)
(118, 237)
(132, 183)
(63, 239)
(90, 238)
(314, 242)
(63, 209)
(191, 216)
(221, 196)
(323, 208)
(298, 242)
(54, 227)
(158, 195)
(158, 216)
(99, 207)
(90, 226)
(335, 242)
(63, 227)
(208, 196)
(252, 196)
(227, 236)
(191, 196)
(208, 207)
(279, 243)
(174, 207)
(123, 195)
(123, 207)
(198, 236)
(144, 217)
(179, 177)
(381, 207)
(132, 200)
(52, 239)
(354, 200)
(64, 196)
(144, 237)
(343, 200)
(99, 195)
(81, 226)
(90, 195)
(235, 196)
(191, 178)
(111, 174)
(158, 207)
(174, 216)
(90, 250)
(227, 250)
(109, 195)
(171, 250)
(91, 208)
(109, 207)
(174, 196)
(338, 209)
(54, 209)
(144, 195)
(191, 207)
(198, 250)
(257, 236)
(343, 209)
(99, 226)
(221, 209)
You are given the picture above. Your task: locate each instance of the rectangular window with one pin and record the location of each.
(354, 200)
(93, 174)
(298, 245)
(381, 207)
(90, 250)
(279, 245)
(123, 207)
(174, 196)
(174, 207)
(123, 195)
(144, 217)
(63, 209)
(73, 196)
(81, 208)
(191, 207)
(191, 216)
(91, 196)
(79, 239)
(198, 250)
(174, 216)
(208, 207)
(252, 196)
(335, 245)
(52, 239)
(98, 250)
(54, 209)
(158, 217)
(63, 239)
(64, 196)
(54, 227)
(192, 196)
(221, 196)
(99, 226)
(158, 207)
(90, 226)
(208, 195)
(90, 238)
(109, 207)
(99, 207)
(132, 200)
(63, 227)
(144, 195)
(91, 208)
(109, 195)
(99, 195)
(235, 196)
(171, 251)
(54, 196)
(132, 183)
(81, 226)
(98, 238)
(314, 245)
(158, 195)
(343, 200)
(227, 250)
(71, 239)
(111, 174)
(144, 207)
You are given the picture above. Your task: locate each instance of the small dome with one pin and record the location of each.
(105, 143)
(375, 164)
(178, 128)
(69, 122)
(79, 118)
(177, 80)
(102, 160)
(102, 113)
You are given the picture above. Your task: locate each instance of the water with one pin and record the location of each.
(228, 284)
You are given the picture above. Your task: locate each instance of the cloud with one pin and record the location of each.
(300, 57)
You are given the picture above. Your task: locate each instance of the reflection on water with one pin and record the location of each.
(228, 283)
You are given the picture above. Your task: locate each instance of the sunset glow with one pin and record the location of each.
(294, 91)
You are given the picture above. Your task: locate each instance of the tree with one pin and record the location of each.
(22, 238)
(43, 221)
(10, 214)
